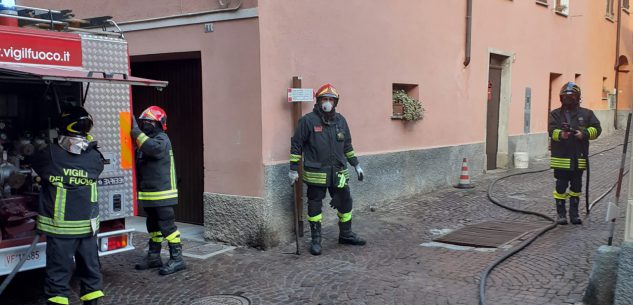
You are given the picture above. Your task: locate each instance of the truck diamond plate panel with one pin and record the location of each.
(105, 102)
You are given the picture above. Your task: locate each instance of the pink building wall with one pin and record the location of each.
(362, 49)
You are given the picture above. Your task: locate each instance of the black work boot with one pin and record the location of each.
(315, 230)
(152, 260)
(175, 263)
(347, 237)
(573, 210)
(562, 212)
(92, 302)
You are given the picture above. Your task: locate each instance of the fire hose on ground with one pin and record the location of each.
(486, 272)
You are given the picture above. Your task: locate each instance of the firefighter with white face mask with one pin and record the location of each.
(69, 208)
(324, 142)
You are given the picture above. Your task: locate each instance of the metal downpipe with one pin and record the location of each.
(469, 29)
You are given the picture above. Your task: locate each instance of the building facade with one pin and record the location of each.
(486, 77)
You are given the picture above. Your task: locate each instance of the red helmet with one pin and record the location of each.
(327, 90)
(155, 113)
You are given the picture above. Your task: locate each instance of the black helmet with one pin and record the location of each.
(570, 88)
(75, 121)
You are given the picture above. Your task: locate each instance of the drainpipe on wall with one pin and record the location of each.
(617, 65)
(469, 28)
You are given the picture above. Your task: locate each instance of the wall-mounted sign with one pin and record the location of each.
(300, 95)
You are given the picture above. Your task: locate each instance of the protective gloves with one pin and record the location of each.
(293, 176)
(359, 172)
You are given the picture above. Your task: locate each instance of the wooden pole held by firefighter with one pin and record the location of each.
(298, 186)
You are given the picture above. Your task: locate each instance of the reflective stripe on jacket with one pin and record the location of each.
(326, 147)
(68, 201)
(571, 153)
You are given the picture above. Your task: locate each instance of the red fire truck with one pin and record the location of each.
(41, 70)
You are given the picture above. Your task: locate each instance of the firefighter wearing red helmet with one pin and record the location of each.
(570, 129)
(157, 191)
(324, 141)
(68, 208)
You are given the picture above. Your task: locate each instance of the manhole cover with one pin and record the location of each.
(490, 234)
(222, 299)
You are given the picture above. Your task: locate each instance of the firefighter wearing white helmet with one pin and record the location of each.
(324, 142)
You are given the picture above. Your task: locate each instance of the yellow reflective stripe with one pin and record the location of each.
(295, 158)
(315, 174)
(344, 217)
(346, 173)
(315, 177)
(315, 218)
(560, 159)
(158, 195)
(574, 194)
(63, 223)
(556, 135)
(64, 231)
(59, 300)
(172, 169)
(173, 238)
(315, 181)
(91, 296)
(156, 236)
(582, 163)
(560, 196)
(563, 163)
(593, 133)
(94, 196)
(141, 139)
(60, 203)
(350, 154)
(341, 180)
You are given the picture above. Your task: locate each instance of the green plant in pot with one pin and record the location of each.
(411, 108)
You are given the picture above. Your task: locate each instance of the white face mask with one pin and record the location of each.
(327, 106)
(73, 145)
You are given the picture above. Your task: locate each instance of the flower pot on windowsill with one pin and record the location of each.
(398, 110)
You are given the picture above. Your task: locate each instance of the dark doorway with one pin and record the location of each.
(182, 100)
(492, 116)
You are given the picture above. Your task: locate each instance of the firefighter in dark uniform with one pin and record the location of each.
(157, 191)
(324, 141)
(69, 209)
(570, 129)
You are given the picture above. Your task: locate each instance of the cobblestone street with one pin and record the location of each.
(394, 267)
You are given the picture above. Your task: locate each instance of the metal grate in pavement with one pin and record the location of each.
(222, 299)
(490, 234)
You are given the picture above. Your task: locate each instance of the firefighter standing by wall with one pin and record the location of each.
(157, 191)
(324, 140)
(570, 129)
(69, 209)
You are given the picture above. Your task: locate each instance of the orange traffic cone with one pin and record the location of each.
(464, 178)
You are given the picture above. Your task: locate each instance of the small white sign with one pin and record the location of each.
(300, 95)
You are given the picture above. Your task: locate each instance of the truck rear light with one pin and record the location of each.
(113, 242)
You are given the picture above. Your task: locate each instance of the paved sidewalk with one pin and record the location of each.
(394, 267)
